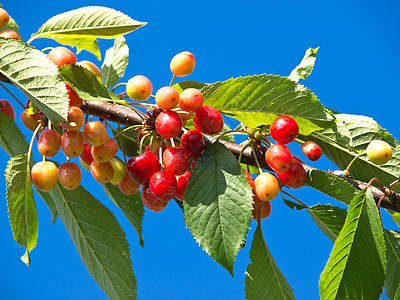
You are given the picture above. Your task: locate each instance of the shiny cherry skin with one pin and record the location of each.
(175, 160)
(86, 154)
(95, 133)
(128, 186)
(163, 185)
(141, 167)
(284, 129)
(295, 177)
(69, 175)
(89, 66)
(7, 108)
(192, 142)
(102, 172)
(208, 120)
(151, 201)
(74, 99)
(279, 157)
(266, 186)
(4, 18)
(167, 98)
(105, 151)
(379, 152)
(139, 88)
(119, 170)
(8, 33)
(61, 56)
(182, 64)
(45, 175)
(49, 143)
(168, 124)
(311, 150)
(75, 115)
(181, 184)
(30, 121)
(265, 211)
(72, 143)
(191, 100)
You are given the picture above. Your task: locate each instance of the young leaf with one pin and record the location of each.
(304, 69)
(131, 206)
(36, 76)
(87, 85)
(359, 249)
(115, 62)
(348, 137)
(99, 239)
(218, 204)
(392, 239)
(264, 280)
(21, 204)
(331, 185)
(329, 219)
(258, 100)
(81, 27)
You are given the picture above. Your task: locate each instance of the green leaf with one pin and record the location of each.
(115, 62)
(331, 185)
(50, 203)
(258, 100)
(218, 204)
(127, 141)
(397, 296)
(293, 205)
(395, 216)
(183, 85)
(351, 135)
(251, 169)
(264, 280)
(330, 219)
(392, 239)
(36, 76)
(359, 249)
(12, 141)
(304, 69)
(87, 85)
(21, 204)
(131, 206)
(81, 27)
(99, 239)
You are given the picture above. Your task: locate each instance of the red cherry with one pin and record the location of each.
(181, 184)
(193, 143)
(295, 177)
(8, 33)
(74, 99)
(141, 167)
(49, 143)
(7, 108)
(163, 185)
(265, 211)
(62, 56)
(279, 158)
(95, 132)
(102, 172)
(86, 154)
(168, 124)
(151, 201)
(284, 129)
(105, 151)
(76, 116)
(191, 100)
(176, 160)
(208, 120)
(72, 143)
(311, 150)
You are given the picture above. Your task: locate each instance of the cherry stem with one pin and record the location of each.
(172, 142)
(115, 87)
(160, 153)
(393, 184)
(378, 182)
(241, 151)
(47, 48)
(12, 95)
(379, 210)
(298, 140)
(152, 96)
(125, 129)
(172, 80)
(231, 131)
(293, 197)
(256, 158)
(266, 140)
(30, 149)
(353, 160)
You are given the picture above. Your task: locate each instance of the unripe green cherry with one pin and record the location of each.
(379, 152)
(139, 88)
(119, 170)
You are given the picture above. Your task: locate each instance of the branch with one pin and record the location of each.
(126, 116)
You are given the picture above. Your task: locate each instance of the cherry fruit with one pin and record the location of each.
(175, 160)
(163, 185)
(69, 175)
(30, 121)
(265, 211)
(4, 18)
(295, 177)
(119, 170)
(181, 184)
(95, 133)
(75, 119)
(151, 201)
(61, 56)
(266, 186)
(74, 99)
(182, 64)
(49, 143)
(192, 142)
(89, 66)
(311, 150)
(191, 100)
(139, 88)
(45, 175)
(72, 143)
(7, 108)
(379, 152)
(167, 98)
(106, 151)
(102, 172)
(141, 167)
(279, 158)
(8, 33)
(208, 120)
(86, 154)
(284, 129)
(168, 124)
(128, 186)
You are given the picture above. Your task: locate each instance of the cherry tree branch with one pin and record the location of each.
(126, 116)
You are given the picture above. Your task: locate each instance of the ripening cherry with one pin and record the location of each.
(69, 175)
(284, 129)
(72, 143)
(49, 143)
(4, 18)
(128, 186)
(167, 98)
(95, 133)
(379, 152)
(168, 124)
(102, 172)
(192, 142)
(61, 56)
(141, 167)
(182, 64)
(105, 151)
(208, 120)
(139, 88)
(86, 154)
(191, 100)
(151, 201)
(7, 108)
(89, 66)
(119, 170)
(194, 161)
(84, 164)
(163, 185)
(75, 119)
(74, 99)
(181, 184)
(45, 175)
(266, 186)
(30, 121)
(265, 211)
(311, 150)
(279, 158)
(295, 177)
(175, 160)
(8, 33)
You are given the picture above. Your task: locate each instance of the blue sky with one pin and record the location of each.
(356, 72)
